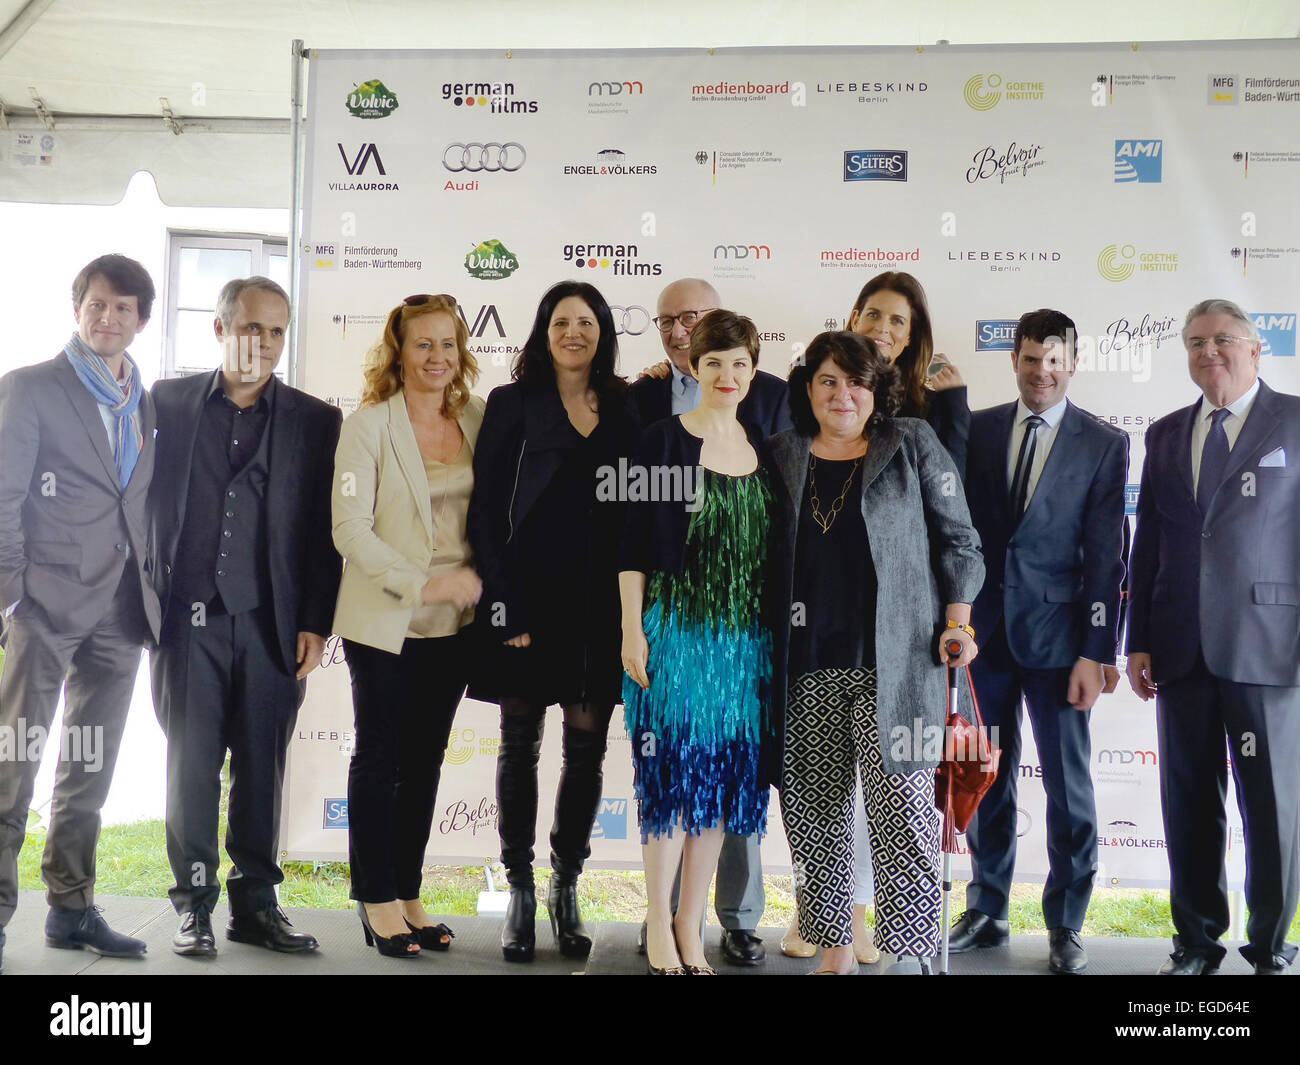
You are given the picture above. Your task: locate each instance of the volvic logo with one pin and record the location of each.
(1277, 334)
(371, 99)
(875, 164)
(1138, 161)
(995, 334)
(491, 261)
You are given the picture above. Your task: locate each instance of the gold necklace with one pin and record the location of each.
(826, 521)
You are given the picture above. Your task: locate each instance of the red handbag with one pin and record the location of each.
(969, 767)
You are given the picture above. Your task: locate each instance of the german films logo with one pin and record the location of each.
(498, 97)
(983, 92)
(623, 260)
(371, 99)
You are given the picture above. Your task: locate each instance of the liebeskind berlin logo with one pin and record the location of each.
(870, 92)
(1005, 260)
(983, 92)
(371, 99)
(620, 259)
(1016, 160)
(497, 96)
(739, 91)
(875, 164)
(1116, 262)
(491, 261)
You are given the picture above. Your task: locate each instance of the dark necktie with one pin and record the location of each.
(1024, 463)
(1214, 460)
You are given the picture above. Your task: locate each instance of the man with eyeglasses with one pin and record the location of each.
(1214, 635)
(738, 897)
(681, 305)
(248, 576)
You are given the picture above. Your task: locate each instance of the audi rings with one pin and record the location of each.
(635, 320)
(478, 158)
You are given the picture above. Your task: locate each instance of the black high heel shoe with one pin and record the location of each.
(519, 937)
(398, 946)
(432, 936)
(566, 921)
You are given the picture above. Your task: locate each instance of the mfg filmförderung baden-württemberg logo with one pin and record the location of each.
(983, 92)
(371, 99)
(491, 261)
(1120, 262)
(1138, 161)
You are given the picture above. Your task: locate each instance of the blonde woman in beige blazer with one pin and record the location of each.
(403, 476)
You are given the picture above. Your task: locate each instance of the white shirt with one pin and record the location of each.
(686, 391)
(1232, 425)
(1046, 436)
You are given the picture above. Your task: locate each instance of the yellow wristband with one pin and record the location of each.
(964, 628)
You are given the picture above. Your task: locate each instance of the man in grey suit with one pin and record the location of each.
(1214, 635)
(76, 458)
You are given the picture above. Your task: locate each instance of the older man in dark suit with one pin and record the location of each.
(1045, 482)
(247, 574)
(1214, 635)
(76, 458)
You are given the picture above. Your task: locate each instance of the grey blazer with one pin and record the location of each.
(926, 555)
(65, 526)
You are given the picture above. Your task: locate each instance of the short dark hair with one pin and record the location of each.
(1046, 324)
(534, 368)
(230, 293)
(127, 277)
(722, 331)
(858, 357)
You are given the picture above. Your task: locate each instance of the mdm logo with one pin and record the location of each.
(995, 334)
(1138, 161)
(1277, 333)
(336, 813)
(875, 164)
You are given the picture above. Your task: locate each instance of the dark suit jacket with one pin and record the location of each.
(1053, 576)
(766, 407)
(1226, 584)
(65, 525)
(303, 564)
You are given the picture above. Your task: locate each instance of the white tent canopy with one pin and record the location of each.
(198, 92)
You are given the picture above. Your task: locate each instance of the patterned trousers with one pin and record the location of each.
(830, 725)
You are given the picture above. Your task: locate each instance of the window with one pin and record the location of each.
(198, 265)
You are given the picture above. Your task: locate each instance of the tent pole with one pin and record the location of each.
(295, 223)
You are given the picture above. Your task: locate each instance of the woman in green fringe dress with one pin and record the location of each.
(697, 646)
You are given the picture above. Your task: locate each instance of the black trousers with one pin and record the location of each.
(404, 705)
(220, 685)
(1065, 753)
(1262, 727)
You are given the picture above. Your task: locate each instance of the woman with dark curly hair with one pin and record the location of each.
(879, 557)
(546, 540)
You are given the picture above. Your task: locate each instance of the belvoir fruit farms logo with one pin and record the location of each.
(491, 261)
(372, 99)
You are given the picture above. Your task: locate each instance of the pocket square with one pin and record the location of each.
(1276, 457)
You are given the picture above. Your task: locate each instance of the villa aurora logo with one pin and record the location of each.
(372, 99)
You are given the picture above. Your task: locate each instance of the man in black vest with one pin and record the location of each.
(247, 575)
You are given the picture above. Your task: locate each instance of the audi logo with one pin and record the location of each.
(490, 157)
(634, 321)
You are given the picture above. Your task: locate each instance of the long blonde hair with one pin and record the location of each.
(382, 370)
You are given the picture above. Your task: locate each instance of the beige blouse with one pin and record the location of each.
(449, 489)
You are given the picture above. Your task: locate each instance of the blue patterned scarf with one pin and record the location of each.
(121, 398)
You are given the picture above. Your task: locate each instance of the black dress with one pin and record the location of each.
(546, 523)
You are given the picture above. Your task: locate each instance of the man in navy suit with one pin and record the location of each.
(681, 305)
(1045, 482)
(1214, 635)
(739, 896)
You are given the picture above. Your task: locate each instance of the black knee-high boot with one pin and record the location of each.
(521, 746)
(576, 804)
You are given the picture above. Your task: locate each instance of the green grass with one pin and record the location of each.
(133, 861)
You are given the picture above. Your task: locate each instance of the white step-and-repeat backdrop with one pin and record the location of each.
(1119, 183)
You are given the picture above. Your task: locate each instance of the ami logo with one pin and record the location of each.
(1131, 493)
(611, 820)
(1138, 161)
(1277, 333)
(995, 334)
(336, 813)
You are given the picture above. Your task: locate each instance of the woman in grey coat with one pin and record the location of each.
(880, 560)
